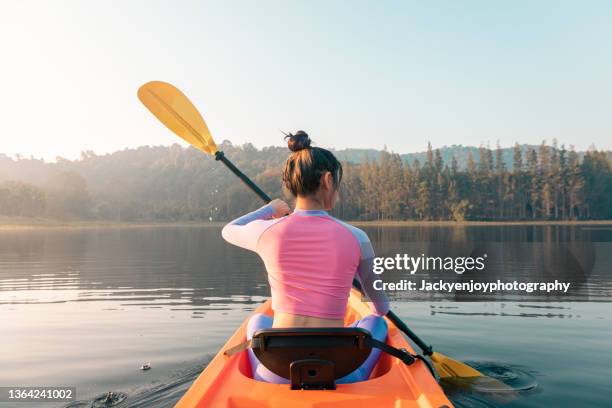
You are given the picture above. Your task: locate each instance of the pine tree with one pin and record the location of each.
(597, 175)
(454, 166)
(534, 177)
(574, 184)
(555, 178)
(518, 188)
(500, 171)
(563, 174)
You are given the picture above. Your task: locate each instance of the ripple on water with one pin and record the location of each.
(110, 399)
(162, 394)
(501, 384)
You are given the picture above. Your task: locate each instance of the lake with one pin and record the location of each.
(87, 307)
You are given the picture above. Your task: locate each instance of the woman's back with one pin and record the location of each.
(311, 259)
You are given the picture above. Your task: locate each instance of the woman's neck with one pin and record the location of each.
(308, 203)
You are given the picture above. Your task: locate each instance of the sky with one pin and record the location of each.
(362, 74)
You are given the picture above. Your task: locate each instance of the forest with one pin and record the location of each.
(173, 183)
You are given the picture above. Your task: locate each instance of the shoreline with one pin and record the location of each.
(30, 224)
(476, 223)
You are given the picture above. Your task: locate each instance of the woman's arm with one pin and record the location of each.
(245, 231)
(378, 298)
(379, 303)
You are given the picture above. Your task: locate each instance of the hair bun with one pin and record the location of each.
(298, 141)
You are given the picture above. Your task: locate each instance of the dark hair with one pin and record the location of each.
(306, 165)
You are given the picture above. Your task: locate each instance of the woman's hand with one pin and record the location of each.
(280, 207)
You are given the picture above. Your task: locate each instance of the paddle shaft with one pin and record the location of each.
(401, 325)
(221, 157)
(427, 350)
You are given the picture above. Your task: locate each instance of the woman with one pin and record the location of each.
(311, 257)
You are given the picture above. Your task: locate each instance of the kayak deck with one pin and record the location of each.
(227, 382)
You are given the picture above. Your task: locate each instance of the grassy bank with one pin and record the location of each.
(409, 223)
(23, 223)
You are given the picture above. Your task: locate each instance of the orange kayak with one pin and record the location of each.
(226, 380)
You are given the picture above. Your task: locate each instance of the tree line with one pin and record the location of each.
(546, 182)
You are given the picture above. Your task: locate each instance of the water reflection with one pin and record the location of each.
(193, 269)
(189, 268)
(89, 306)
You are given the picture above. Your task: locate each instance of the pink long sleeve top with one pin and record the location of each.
(311, 259)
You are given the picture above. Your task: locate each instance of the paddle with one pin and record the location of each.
(179, 115)
(176, 111)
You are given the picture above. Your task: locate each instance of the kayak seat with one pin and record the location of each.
(314, 358)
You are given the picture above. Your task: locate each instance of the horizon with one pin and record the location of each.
(184, 145)
(394, 74)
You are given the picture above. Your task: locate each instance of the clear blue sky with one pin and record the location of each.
(351, 73)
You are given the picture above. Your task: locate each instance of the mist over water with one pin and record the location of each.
(88, 307)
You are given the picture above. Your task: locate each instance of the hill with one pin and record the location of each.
(176, 183)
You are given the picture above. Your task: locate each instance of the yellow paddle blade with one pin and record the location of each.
(458, 374)
(446, 367)
(177, 112)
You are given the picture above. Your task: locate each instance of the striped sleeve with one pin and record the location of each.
(379, 303)
(245, 231)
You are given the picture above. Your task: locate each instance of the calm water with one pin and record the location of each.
(87, 307)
